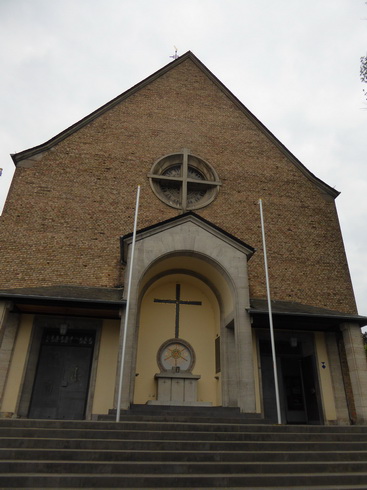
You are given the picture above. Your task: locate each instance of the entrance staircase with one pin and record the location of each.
(170, 448)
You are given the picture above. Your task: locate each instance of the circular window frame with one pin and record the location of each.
(163, 366)
(186, 198)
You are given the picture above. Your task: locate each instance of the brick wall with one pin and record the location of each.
(65, 213)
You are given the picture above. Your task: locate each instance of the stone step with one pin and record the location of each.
(187, 418)
(182, 467)
(176, 445)
(136, 453)
(155, 423)
(207, 412)
(171, 456)
(180, 435)
(250, 480)
(182, 413)
(314, 487)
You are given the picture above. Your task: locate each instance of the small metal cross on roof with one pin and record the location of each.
(175, 56)
(178, 301)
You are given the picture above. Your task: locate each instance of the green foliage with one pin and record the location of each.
(364, 335)
(363, 72)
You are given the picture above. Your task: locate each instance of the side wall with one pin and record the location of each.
(325, 378)
(106, 369)
(17, 366)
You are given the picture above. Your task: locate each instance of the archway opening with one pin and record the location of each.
(183, 307)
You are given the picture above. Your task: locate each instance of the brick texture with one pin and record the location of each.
(65, 214)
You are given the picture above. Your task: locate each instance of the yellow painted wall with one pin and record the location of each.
(256, 362)
(16, 370)
(199, 325)
(212, 274)
(2, 313)
(327, 393)
(106, 369)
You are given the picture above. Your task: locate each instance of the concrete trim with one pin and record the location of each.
(190, 237)
(178, 221)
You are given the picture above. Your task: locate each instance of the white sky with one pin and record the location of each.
(293, 63)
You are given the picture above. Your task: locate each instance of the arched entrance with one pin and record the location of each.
(209, 262)
(182, 307)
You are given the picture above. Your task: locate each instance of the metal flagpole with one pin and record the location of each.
(118, 409)
(270, 315)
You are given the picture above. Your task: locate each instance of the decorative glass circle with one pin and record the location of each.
(176, 355)
(184, 181)
(171, 189)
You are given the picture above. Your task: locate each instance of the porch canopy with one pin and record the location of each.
(296, 316)
(73, 300)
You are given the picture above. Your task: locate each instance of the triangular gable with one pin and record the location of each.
(32, 153)
(178, 221)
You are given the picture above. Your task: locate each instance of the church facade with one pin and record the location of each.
(197, 331)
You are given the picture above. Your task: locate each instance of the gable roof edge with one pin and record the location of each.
(320, 183)
(18, 157)
(126, 239)
(47, 145)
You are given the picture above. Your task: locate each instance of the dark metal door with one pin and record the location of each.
(299, 379)
(310, 390)
(61, 385)
(295, 406)
(268, 386)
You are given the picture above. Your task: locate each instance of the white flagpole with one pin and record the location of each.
(270, 316)
(122, 362)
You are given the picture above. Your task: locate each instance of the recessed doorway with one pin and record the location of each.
(297, 380)
(61, 383)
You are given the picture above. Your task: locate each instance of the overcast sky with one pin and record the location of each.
(293, 63)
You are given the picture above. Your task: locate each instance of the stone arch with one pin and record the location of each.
(191, 244)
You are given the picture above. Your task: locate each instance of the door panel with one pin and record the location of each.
(295, 407)
(61, 385)
(310, 390)
(268, 386)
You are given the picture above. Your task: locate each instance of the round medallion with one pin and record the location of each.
(176, 355)
(184, 181)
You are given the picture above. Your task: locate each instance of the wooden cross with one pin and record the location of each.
(178, 301)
